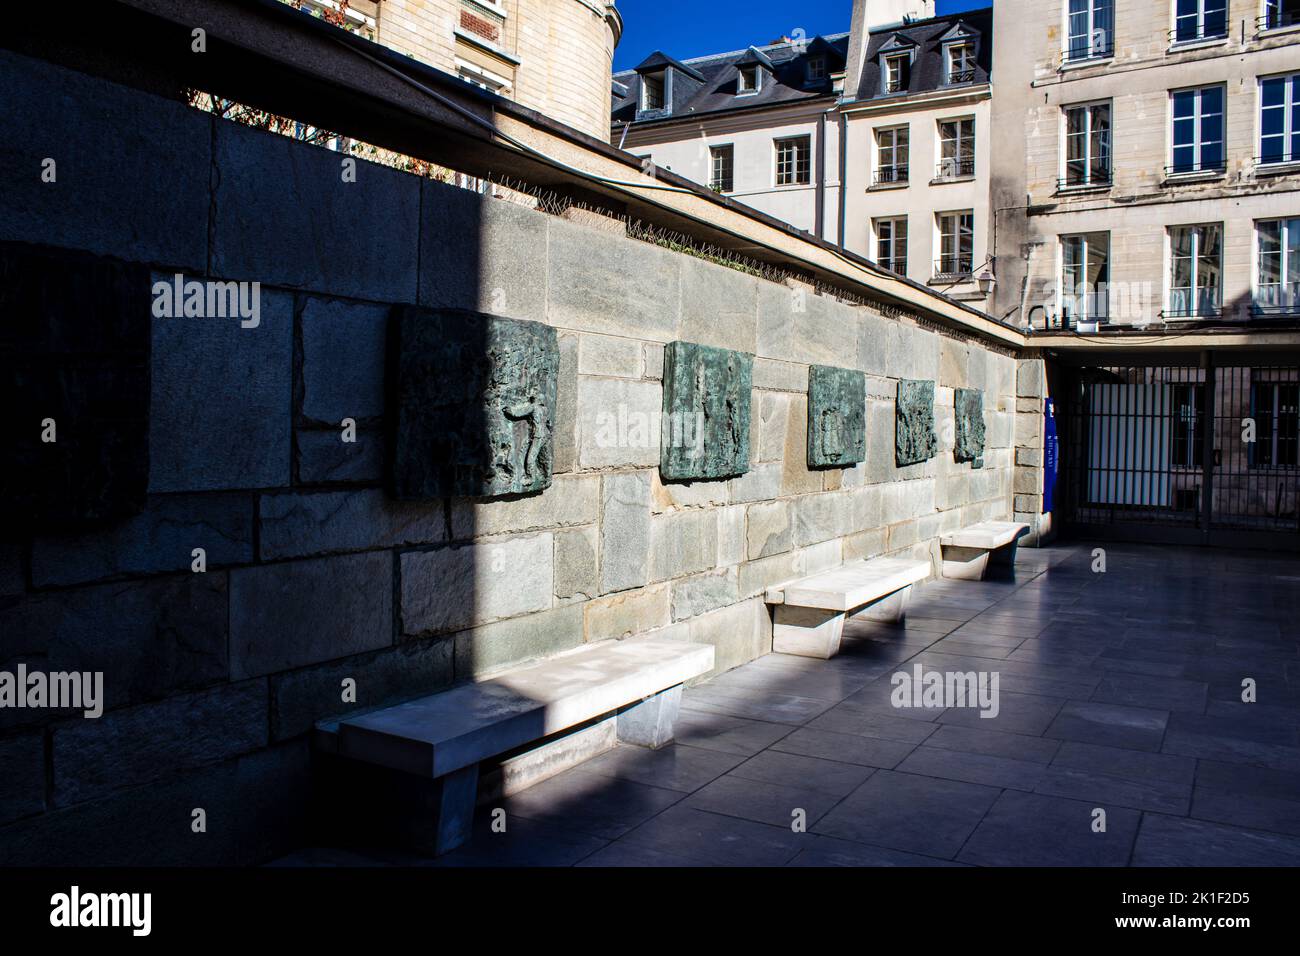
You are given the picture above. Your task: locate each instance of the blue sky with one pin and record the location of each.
(686, 28)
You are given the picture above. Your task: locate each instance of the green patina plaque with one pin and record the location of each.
(471, 404)
(968, 415)
(837, 426)
(914, 438)
(706, 412)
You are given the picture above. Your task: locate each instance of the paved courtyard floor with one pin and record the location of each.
(1119, 691)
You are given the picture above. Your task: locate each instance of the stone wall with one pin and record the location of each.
(313, 574)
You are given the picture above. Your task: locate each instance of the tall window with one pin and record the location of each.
(1085, 277)
(891, 155)
(1090, 29)
(891, 244)
(652, 92)
(896, 70)
(1195, 270)
(1279, 119)
(956, 148)
(1198, 130)
(792, 161)
(1200, 19)
(1275, 407)
(961, 62)
(1087, 144)
(1277, 287)
(1280, 13)
(1188, 449)
(721, 166)
(956, 243)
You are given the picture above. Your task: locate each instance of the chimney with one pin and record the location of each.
(872, 16)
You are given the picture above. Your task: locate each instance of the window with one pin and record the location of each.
(896, 72)
(652, 92)
(1195, 270)
(1277, 282)
(1090, 29)
(1188, 447)
(1275, 407)
(721, 166)
(1279, 119)
(891, 244)
(1085, 278)
(1087, 145)
(1198, 130)
(961, 62)
(792, 161)
(1280, 13)
(816, 69)
(956, 243)
(1200, 19)
(956, 148)
(891, 155)
(749, 79)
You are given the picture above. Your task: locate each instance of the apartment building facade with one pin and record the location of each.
(553, 56)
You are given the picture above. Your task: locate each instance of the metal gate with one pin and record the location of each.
(1203, 453)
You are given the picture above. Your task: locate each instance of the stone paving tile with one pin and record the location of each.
(1024, 829)
(524, 843)
(590, 803)
(1107, 790)
(733, 735)
(1137, 728)
(846, 748)
(826, 776)
(908, 812)
(624, 854)
(828, 851)
(762, 801)
(1017, 714)
(716, 838)
(1121, 762)
(675, 767)
(849, 718)
(738, 702)
(993, 743)
(1177, 841)
(1006, 772)
(1256, 811)
(990, 652)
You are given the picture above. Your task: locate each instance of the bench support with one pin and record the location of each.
(891, 609)
(965, 564)
(455, 809)
(807, 631)
(650, 723)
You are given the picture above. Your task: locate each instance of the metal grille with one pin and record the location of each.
(1207, 452)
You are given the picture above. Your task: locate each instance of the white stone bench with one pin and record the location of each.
(966, 553)
(435, 743)
(809, 614)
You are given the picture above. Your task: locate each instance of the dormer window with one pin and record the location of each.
(652, 91)
(750, 79)
(896, 69)
(960, 62)
(816, 69)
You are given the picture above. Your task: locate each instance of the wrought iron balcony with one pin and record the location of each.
(1196, 32)
(961, 76)
(954, 269)
(1094, 179)
(1098, 50)
(955, 168)
(889, 175)
(1190, 169)
(1277, 20)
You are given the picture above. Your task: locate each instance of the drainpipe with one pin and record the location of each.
(844, 171)
(819, 214)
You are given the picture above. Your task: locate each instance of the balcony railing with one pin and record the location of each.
(954, 268)
(1195, 32)
(955, 168)
(1204, 166)
(889, 175)
(1277, 20)
(961, 76)
(1278, 159)
(1277, 301)
(895, 86)
(1090, 307)
(1093, 179)
(1098, 50)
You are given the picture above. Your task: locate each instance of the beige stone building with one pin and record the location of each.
(553, 56)
(1150, 169)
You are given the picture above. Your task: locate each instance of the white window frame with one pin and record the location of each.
(814, 75)
(718, 147)
(1198, 119)
(1200, 36)
(1196, 267)
(777, 141)
(485, 79)
(1286, 223)
(1064, 170)
(1291, 97)
(1086, 239)
(892, 222)
(662, 79)
(742, 87)
(1092, 55)
(960, 141)
(879, 150)
(1264, 27)
(904, 61)
(957, 215)
(970, 59)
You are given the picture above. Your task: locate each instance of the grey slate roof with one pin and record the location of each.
(927, 72)
(785, 82)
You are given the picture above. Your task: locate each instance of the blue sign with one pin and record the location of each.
(1051, 455)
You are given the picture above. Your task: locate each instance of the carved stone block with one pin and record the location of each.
(837, 427)
(472, 404)
(968, 414)
(914, 437)
(706, 412)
